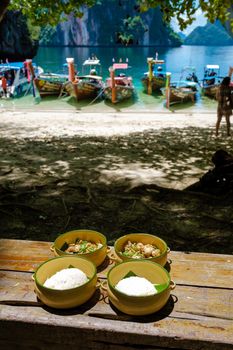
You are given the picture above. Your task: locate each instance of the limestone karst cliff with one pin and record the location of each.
(112, 23)
(109, 23)
(15, 39)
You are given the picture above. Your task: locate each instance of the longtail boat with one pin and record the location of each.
(118, 87)
(85, 86)
(211, 80)
(19, 77)
(155, 78)
(183, 90)
(50, 84)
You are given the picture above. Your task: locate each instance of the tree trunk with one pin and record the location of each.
(3, 7)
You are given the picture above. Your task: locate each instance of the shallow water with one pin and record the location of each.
(52, 59)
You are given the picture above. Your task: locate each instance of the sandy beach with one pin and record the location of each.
(68, 123)
(165, 139)
(62, 170)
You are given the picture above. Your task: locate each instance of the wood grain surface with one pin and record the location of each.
(198, 315)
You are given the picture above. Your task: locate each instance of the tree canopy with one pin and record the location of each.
(52, 12)
(185, 11)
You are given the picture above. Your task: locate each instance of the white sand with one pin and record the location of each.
(25, 124)
(171, 158)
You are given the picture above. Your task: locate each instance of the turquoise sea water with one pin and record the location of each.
(52, 59)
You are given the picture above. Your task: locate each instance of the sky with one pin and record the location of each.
(200, 21)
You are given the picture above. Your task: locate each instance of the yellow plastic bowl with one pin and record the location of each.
(139, 305)
(64, 299)
(144, 238)
(97, 257)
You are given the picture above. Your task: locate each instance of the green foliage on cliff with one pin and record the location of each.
(175, 37)
(131, 30)
(47, 34)
(33, 30)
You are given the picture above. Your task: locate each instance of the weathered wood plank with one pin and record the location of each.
(202, 274)
(39, 250)
(187, 300)
(203, 257)
(165, 333)
(198, 315)
(201, 317)
(23, 255)
(211, 270)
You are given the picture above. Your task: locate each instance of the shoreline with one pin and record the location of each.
(83, 111)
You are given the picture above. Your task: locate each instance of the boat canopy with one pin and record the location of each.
(183, 83)
(189, 83)
(154, 60)
(48, 74)
(120, 66)
(210, 77)
(156, 72)
(96, 77)
(160, 72)
(91, 62)
(189, 68)
(13, 65)
(212, 66)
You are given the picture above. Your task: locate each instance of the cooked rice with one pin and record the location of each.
(66, 279)
(136, 286)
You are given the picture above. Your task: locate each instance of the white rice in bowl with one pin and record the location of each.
(136, 286)
(66, 279)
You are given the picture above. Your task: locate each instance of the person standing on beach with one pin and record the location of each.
(225, 104)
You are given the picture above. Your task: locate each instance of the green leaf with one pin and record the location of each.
(160, 287)
(71, 267)
(130, 274)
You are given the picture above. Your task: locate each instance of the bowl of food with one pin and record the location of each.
(85, 243)
(141, 246)
(139, 287)
(65, 282)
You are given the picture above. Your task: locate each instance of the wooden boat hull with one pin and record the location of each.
(47, 87)
(122, 93)
(180, 95)
(156, 84)
(82, 90)
(210, 91)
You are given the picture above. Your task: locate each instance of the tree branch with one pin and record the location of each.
(3, 7)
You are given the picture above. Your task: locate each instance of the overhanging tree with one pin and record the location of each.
(43, 12)
(185, 11)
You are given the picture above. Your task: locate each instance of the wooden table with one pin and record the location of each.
(198, 314)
